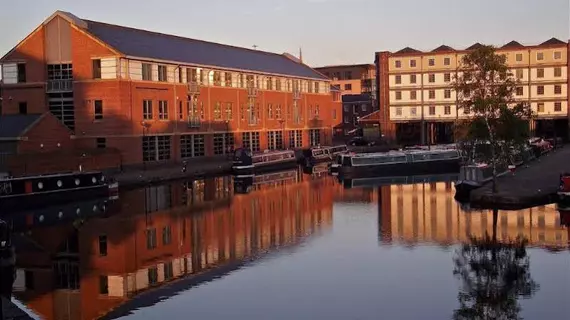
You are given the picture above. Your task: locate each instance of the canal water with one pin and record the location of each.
(293, 246)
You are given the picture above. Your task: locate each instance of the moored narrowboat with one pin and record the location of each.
(245, 163)
(398, 163)
(315, 155)
(474, 176)
(21, 193)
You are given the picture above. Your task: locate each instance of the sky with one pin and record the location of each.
(328, 31)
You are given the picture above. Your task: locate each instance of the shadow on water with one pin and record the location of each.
(494, 275)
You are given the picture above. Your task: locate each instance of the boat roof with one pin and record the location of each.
(272, 152)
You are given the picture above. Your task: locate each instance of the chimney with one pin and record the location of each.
(300, 55)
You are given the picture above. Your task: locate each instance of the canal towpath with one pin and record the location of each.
(531, 185)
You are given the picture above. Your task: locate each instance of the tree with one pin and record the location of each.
(485, 91)
(494, 275)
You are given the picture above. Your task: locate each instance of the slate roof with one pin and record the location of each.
(153, 45)
(513, 44)
(408, 50)
(552, 41)
(475, 46)
(14, 125)
(443, 48)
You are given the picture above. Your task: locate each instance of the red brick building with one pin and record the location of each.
(157, 97)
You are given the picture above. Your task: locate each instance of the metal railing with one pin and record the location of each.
(194, 122)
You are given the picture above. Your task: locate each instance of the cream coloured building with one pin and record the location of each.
(415, 88)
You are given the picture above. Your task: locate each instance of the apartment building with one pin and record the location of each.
(157, 97)
(418, 105)
(352, 79)
(355, 107)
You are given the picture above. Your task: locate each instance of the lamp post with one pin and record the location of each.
(145, 125)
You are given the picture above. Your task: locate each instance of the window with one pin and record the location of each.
(557, 55)
(540, 73)
(296, 138)
(151, 238)
(557, 106)
(447, 94)
(447, 110)
(229, 111)
(413, 111)
(275, 140)
(101, 143)
(191, 75)
(152, 276)
(96, 68)
(520, 91)
(519, 57)
(103, 285)
(314, 137)
(166, 235)
(431, 110)
(21, 72)
(520, 73)
(23, 107)
(363, 107)
(431, 62)
(348, 86)
(413, 95)
(218, 111)
(192, 145)
(447, 77)
(334, 114)
(251, 140)
(147, 109)
(98, 106)
(540, 107)
(180, 110)
(162, 76)
(466, 110)
(432, 94)
(398, 95)
(102, 245)
(540, 56)
(223, 142)
(348, 74)
(558, 72)
(316, 87)
(156, 148)
(557, 89)
(345, 107)
(398, 64)
(412, 78)
(398, 79)
(270, 111)
(540, 90)
(446, 61)
(278, 85)
(431, 77)
(163, 110)
(279, 112)
(168, 271)
(147, 71)
(228, 79)
(398, 111)
(413, 63)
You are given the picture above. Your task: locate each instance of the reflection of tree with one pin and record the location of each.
(494, 275)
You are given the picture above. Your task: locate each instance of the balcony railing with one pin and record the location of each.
(194, 122)
(59, 85)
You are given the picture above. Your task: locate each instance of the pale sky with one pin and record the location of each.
(329, 31)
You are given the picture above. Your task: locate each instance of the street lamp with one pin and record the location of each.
(145, 125)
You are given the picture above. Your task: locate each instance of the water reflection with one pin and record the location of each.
(156, 235)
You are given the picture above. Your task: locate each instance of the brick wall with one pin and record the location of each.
(47, 135)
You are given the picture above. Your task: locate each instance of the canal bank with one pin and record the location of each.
(530, 186)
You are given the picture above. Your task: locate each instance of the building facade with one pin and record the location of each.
(418, 104)
(352, 79)
(157, 97)
(355, 107)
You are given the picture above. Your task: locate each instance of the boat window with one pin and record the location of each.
(317, 152)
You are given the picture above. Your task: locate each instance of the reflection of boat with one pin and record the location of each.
(247, 184)
(319, 169)
(315, 155)
(396, 163)
(58, 214)
(24, 193)
(564, 190)
(246, 163)
(383, 181)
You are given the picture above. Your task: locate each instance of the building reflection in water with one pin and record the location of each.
(427, 212)
(162, 233)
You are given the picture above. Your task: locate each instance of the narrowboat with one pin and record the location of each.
(564, 190)
(246, 163)
(315, 155)
(474, 176)
(398, 180)
(244, 185)
(22, 193)
(398, 163)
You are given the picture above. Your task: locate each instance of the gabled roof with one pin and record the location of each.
(408, 50)
(443, 48)
(552, 41)
(474, 46)
(513, 44)
(14, 126)
(158, 46)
